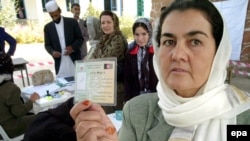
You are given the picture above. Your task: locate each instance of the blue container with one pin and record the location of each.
(118, 114)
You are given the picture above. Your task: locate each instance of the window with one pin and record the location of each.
(20, 9)
(110, 5)
(43, 4)
(69, 3)
(140, 8)
(113, 5)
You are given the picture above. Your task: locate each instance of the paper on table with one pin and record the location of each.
(41, 89)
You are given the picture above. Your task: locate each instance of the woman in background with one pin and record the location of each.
(112, 44)
(139, 73)
(13, 111)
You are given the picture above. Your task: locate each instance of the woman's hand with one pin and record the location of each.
(92, 123)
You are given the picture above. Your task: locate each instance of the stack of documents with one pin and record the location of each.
(41, 89)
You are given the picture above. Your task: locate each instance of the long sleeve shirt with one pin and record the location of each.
(5, 37)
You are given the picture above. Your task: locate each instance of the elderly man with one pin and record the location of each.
(63, 40)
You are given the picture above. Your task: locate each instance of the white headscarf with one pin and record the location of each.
(4, 77)
(203, 117)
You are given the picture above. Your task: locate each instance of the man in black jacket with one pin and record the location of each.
(53, 125)
(63, 40)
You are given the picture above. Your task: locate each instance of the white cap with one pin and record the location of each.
(51, 6)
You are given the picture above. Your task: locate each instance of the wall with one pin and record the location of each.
(33, 11)
(246, 38)
(245, 51)
(130, 8)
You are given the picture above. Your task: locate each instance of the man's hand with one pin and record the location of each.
(56, 54)
(35, 96)
(68, 50)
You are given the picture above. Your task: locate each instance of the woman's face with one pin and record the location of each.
(107, 24)
(187, 49)
(141, 36)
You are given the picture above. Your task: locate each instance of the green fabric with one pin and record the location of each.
(13, 112)
(143, 120)
(244, 118)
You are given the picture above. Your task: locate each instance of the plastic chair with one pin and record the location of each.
(7, 138)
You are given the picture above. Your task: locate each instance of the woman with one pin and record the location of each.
(112, 44)
(192, 50)
(139, 73)
(14, 113)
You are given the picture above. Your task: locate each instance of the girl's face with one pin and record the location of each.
(107, 24)
(141, 36)
(187, 50)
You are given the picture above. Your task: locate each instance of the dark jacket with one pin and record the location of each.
(13, 112)
(73, 37)
(4, 36)
(53, 125)
(131, 80)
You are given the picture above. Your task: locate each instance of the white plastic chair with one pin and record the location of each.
(7, 138)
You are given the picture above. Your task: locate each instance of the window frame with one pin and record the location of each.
(69, 3)
(113, 5)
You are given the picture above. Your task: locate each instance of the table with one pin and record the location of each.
(20, 65)
(46, 103)
(117, 123)
(59, 95)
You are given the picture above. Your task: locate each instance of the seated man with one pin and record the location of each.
(15, 117)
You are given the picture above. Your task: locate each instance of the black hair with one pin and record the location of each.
(163, 8)
(139, 24)
(207, 8)
(75, 4)
(6, 65)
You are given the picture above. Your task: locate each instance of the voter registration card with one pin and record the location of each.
(95, 80)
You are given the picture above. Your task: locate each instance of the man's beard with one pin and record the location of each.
(57, 21)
